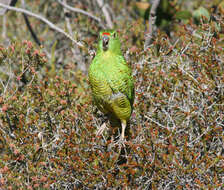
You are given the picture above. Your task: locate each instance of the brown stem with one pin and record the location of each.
(152, 19)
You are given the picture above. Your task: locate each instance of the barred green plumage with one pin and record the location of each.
(111, 79)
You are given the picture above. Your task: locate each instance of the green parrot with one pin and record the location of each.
(111, 80)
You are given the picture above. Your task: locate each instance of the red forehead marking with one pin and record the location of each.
(106, 33)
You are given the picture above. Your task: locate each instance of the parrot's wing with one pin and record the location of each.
(120, 80)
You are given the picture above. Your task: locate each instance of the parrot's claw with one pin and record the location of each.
(121, 141)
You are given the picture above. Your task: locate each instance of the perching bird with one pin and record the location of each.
(111, 80)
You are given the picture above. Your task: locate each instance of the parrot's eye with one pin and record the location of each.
(114, 34)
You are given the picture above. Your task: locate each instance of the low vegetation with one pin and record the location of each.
(48, 121)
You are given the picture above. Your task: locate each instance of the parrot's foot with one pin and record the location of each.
(101, 129)
(121, 141)
(123, 124)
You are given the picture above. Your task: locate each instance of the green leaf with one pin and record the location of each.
(183, 15)
(201, 11)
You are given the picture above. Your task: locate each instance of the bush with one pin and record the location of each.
(48, 122)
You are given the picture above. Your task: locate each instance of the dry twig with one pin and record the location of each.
(77, 56)
(50, 24)
(106, 13)
(152, 19)
(79, 11)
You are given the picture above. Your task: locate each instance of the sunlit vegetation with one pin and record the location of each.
(48, 121)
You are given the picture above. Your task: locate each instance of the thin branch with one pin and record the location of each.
(152, 20)
(199, 137)
(106, 13)
(33, 34)
(171, 119)
(7, 2)
(31, 30)
(75, 51)
(50, 24)
(79, 11)
(66, 18)
(189, 75)
(3, 11)
(155, 122)
(4, 27)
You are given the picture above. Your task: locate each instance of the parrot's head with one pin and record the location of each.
(109, 41)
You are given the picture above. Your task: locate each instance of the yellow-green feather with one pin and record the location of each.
(111, 81)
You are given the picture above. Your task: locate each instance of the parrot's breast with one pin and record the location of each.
(111, 84)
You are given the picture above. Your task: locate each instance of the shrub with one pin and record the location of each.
(48, 121)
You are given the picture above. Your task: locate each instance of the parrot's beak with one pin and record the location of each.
(105, 42)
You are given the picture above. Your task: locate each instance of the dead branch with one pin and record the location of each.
(79, 11)
(152, 20)
(77, 56)
(106, 13)
(7, 2)
(50, 24)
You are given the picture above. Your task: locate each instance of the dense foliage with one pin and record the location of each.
(48, 122)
